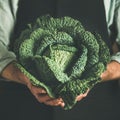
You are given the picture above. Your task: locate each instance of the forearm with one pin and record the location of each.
(13, 74)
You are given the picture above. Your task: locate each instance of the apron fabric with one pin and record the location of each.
(90, 13)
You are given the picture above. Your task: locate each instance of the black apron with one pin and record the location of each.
(90, 13)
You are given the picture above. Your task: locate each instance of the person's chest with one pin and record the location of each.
(90, 13)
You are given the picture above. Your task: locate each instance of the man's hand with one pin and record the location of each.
(42, 96)
(81, 96)
(112, 72)
(13, 74)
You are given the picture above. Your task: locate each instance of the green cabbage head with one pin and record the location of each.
(59, 55)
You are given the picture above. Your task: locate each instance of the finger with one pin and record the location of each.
(105, 75)
(37, 90)
(79, 97)
(42, 98)
(55, 102)
(85, 94)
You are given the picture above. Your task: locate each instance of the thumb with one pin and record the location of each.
(105, 76)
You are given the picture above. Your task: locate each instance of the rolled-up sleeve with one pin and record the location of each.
(117, 21)
(116, 57)
(8, 9)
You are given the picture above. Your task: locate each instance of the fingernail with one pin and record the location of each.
(43, 91)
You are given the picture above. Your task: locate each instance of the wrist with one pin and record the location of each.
(12, 73)
(112, 71)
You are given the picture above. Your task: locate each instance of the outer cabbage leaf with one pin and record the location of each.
(59, 55)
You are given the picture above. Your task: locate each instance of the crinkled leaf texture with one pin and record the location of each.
(59, 55)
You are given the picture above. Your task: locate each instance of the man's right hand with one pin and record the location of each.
(12, 73)
(112, 72)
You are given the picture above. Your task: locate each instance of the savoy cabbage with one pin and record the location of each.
(60, 55)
